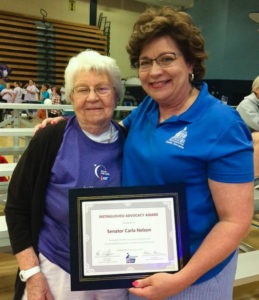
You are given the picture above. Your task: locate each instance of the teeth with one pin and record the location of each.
(158, 84)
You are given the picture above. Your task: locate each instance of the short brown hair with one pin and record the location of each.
(179, 26)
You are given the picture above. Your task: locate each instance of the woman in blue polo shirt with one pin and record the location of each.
(180, 133)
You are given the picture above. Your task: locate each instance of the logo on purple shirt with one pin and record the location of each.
(101, 172)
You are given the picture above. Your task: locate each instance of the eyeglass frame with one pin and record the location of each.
(176, 54)
(110, 88)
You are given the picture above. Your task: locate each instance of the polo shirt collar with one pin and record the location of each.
(196, 110)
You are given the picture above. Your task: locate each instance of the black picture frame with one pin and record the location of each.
(83, 206)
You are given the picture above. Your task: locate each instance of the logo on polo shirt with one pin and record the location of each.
(101, 172)
(178, 139)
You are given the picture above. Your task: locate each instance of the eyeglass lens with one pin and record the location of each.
(164, 60)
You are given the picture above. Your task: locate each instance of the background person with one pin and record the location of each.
(50, 90)
(37, 95)
(63, 94)
(56, 99)
(177, 135)
(249, 107)
(249, 112)
(37, 205)
(7, 93)
(30, 96)
(44, 94)
(31, 91)
(23, 86)
(7, 96)
(17, 93)
(2, 86)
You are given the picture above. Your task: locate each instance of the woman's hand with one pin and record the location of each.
(37, 288)
(158, 286)
(52, 121)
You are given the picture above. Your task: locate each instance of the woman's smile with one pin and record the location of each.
(159, 84)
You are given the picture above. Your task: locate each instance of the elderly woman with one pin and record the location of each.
(58, 159)
(180, 133)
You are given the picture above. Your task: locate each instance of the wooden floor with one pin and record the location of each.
(8, 268)
(249, 291)
(8, 264)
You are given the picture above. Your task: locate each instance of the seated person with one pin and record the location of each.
(249, 112)
(249, 107)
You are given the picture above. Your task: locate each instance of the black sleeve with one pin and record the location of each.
(26, 191)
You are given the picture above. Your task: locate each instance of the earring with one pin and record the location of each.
(191, 77)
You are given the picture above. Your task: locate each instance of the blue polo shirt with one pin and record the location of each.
(209, 140)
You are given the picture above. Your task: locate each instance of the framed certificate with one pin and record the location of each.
(118, 235)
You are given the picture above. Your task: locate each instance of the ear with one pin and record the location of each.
(190, 67)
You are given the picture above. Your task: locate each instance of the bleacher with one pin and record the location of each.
(38, 48)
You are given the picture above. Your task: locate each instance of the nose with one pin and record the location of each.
(155, 69)
(92, 95)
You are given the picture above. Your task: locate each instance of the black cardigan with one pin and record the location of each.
(26, 193)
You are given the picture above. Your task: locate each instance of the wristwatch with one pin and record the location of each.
(26, 274)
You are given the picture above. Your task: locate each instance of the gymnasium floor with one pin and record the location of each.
(8, 264)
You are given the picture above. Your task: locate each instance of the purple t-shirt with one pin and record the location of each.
(80, 163)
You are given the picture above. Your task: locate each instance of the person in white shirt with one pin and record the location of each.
(37, 95)
(63, 95)
(50, 91)
(30, 96)
(17, 93)
(7, 93)
(31, 91)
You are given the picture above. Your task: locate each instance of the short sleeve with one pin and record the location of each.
(138, 112)
(231, 159)
(130, 118)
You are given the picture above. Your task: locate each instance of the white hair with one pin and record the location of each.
(92, 60)
(255, 84)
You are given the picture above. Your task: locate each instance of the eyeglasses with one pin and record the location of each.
(84, 91)
(164, 60)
